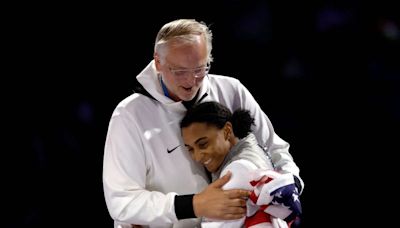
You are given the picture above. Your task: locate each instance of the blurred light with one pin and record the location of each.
(390, 30)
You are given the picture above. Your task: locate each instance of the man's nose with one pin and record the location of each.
(191, 77)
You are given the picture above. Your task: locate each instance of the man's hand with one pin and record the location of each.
(215, 203)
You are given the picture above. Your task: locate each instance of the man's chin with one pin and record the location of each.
(187, 97)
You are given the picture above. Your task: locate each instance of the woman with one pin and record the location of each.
(222, 141)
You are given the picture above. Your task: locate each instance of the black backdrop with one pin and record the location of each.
(327, 75)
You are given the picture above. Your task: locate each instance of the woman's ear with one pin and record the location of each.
(228, 131)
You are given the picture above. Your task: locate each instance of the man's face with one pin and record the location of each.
(184, 69)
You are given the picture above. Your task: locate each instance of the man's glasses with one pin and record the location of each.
(197, 73)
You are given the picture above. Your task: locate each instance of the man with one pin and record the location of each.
(149, 179)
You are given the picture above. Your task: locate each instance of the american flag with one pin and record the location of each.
(274, 195)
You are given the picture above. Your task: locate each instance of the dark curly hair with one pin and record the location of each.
(214, 113)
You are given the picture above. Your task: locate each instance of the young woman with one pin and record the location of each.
(222, 141)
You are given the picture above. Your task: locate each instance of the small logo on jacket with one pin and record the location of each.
(169, 151)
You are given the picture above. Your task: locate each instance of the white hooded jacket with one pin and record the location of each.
(145, 161)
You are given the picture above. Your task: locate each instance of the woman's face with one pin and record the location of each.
(207, 144)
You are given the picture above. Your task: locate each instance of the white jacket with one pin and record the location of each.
(145, 162)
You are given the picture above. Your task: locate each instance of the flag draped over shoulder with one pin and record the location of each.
(274, 195)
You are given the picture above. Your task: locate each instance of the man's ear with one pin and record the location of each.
(156, 57)
(157, 61)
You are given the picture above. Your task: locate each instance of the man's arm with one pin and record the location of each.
(214, 202)
(240, 179)
(277, 148)
(124, 179)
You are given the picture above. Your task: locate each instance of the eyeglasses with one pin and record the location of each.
(198, 73)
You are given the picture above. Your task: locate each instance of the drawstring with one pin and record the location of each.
(164, 88)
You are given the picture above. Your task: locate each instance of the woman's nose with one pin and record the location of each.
(198, 156)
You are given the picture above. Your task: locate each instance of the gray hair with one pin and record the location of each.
(185, 31)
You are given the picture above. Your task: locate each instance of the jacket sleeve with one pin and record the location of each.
(124, 178)
(277, 148)
(240, 179)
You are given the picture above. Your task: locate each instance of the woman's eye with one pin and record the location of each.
(203, 145)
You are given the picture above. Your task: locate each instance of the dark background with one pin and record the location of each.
(327, 74)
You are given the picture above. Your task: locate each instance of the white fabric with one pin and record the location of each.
(140, 177)
(243, 172)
